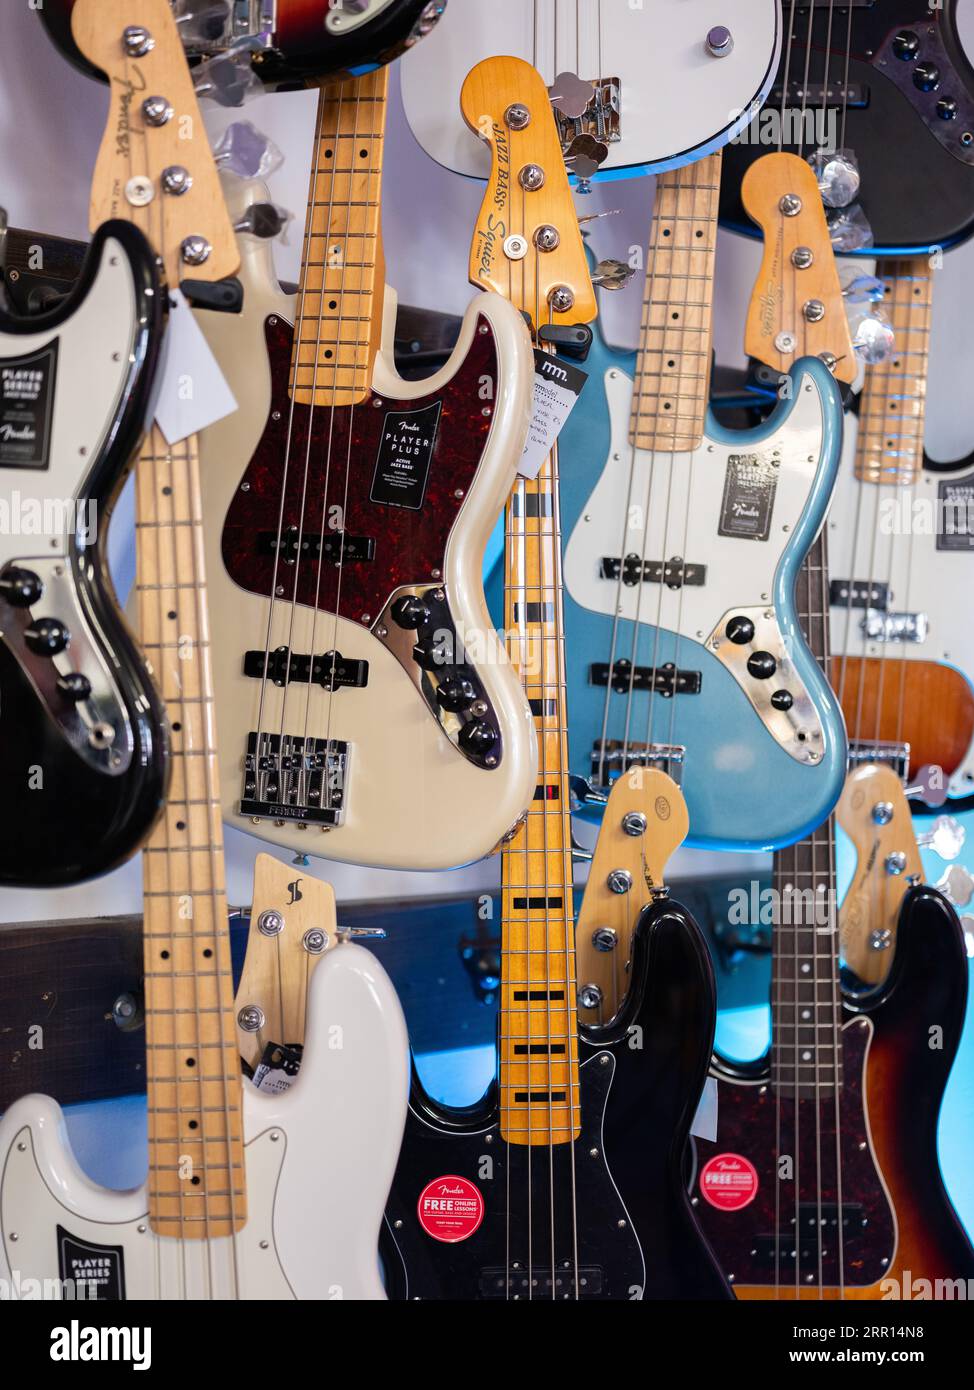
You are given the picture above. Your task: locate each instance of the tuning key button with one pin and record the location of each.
(740, 629)
(455, 694)
(75, 686)
(47, 636)
(410, 611)
(926, 77)
(782, 699)
(761, 665)
(947, 109)
(21, 588)
(477, 738)
(906, 45)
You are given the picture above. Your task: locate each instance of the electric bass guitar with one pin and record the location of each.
(902, 541)
(824, 1179)
(368, 712)
(82, 729)
(871, 78)
(564, 1180)
(287, 40)
(634, 89)
(681, 562)
(234, 1206)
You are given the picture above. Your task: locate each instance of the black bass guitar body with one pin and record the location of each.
(910, 88)
(605, 1217)
(83, 742)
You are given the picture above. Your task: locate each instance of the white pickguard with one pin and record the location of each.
(319, 1158)
(676, 97)
(405, 779)
(922, 578)
(682, 497)
(93, 361)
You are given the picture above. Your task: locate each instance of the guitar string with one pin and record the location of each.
(709, 168)
(154, 438)
(376, 99)
(332, 388)
(294, 377)
(158, 243)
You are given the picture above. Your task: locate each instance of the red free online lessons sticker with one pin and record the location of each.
(729, 1182)
(450, 1208)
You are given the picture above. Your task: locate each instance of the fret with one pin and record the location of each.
(677, 305)
(342, 250)
(909, 286)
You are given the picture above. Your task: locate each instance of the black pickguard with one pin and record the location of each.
(623, 1226)
(919, 197)
(72, 821)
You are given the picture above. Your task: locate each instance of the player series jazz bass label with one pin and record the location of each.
(100, 1268)
(749, 488)
(405, 451)
(27, 408)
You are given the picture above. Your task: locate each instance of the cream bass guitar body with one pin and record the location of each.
(363, 695)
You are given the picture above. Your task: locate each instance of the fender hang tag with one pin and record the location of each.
(194, 392)
(277, 1068)
(557, 386)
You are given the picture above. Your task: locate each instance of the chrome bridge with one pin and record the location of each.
(288, 777)
(611, 758)
(889, 754)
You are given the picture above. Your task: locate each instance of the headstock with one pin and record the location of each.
(645, 821)
(875, 814)
(292, 924)
(527, 244)
(797, 308)
(155, 167)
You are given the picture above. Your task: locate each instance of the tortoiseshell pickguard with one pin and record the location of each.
(750, 1121)
(338, 449)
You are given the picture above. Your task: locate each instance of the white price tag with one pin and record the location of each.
(705, 1120)
(557, 386)
(194, 392)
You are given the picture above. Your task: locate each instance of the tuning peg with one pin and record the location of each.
(945, 839)
(864, 289)
(873, 339)
(612, 275)
(837, 172)
(570, 95)
(264, 220)
(360, 933)
(594, 216)
(228, 79)
(203, 23)
(247, 151)
(930, 786)
(849, 229)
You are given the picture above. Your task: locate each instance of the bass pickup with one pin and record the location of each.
(331, 670)
(664, 680)
(859, 593)
(338, 547)
(632, 570)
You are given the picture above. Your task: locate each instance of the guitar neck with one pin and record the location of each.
(196, 1174)
(806, 1006)
(538, 1023)
(338, 325)
(889, 447)
(672, 378)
